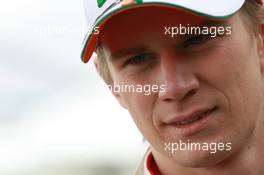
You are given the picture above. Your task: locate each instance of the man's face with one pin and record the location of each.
(213, 86)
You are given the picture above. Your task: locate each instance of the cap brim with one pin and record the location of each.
(206, 8)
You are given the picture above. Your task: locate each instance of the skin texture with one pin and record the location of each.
(225, 72)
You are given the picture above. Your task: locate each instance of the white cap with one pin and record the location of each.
(98, 11)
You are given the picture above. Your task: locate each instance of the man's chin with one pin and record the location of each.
(199, 159)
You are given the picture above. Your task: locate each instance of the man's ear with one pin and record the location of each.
(96, 64)
(261, 47)
(110, 84)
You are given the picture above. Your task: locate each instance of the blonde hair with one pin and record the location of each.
(251, 11)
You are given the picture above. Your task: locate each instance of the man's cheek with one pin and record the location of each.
(139, 105)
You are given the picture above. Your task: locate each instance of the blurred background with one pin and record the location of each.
(56, 115)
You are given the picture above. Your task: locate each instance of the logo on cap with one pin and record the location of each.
(100, 3)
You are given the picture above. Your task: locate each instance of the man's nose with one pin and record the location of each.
(178, 77)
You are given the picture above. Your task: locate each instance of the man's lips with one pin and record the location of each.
(190, 117)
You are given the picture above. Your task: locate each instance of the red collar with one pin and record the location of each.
(152, 166)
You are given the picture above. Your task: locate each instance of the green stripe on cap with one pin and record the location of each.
(100, 3)
(138, 1)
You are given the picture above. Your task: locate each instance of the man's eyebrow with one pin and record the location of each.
(127, 51)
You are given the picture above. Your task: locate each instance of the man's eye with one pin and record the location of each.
(197, 39)
(141, 58)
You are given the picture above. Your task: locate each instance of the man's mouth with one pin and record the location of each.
(195, 117)
(192, 121)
